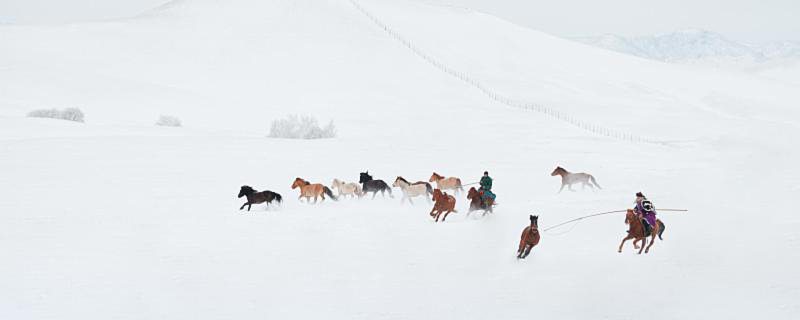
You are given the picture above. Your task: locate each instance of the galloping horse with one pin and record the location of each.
(529, 239)
(477, 202)
(370, 185)
(255, 197)
(636, 232)
(308, 190)
(352, 189)
(443, 202)
(568, 178)
(413, 190)
(451, 183)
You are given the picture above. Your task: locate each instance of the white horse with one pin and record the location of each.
(569, 178)
(413, 190)
(351, 189)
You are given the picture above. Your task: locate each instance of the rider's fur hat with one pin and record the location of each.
(640, 195)
(486, 172)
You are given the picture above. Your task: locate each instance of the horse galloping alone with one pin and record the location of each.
(371, 185)
(442, 203)
(478, 203)
(309, 190)
(637, 232)
(411, 190)
(347, 188)
(256, 197)
(529, 239)
(451, 183)
(569, 178)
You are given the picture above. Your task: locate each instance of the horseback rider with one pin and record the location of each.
(646, 211)
(486, 188)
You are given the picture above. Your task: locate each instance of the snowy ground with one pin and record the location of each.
(116, 218)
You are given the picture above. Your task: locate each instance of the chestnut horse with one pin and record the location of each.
(451, 183)
(569, 178)
(529, 239)
(443, 202)
(637, 233)
(308, 190)
(256, 197)
(477, 202)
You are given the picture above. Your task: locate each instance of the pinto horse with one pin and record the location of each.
(256, 197)
(451, 183)
(442, 203)
(308, 190)
(529, 239)
(569, 178)
(477, 203)
(370, 185)
(351, 189)
(637, 232)
(410, 190)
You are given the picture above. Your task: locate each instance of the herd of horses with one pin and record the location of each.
(443, 203)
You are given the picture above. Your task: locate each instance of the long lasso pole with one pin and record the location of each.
(603, 213)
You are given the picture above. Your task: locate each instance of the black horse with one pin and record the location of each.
(370, 185)
(255, 197)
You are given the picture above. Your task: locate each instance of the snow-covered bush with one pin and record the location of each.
(168, 121)
(71, 114)
(301, 127)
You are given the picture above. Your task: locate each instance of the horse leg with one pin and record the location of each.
(527, 250)
(652, 241)
(623, 243)
(249, 205)
(242, 207)
(636, 246)
(644, 242)
(445, 214)
(409, 201)
(562, 187)
(374, 193)
(521, 248)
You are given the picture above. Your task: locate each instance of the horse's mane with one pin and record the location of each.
(403, 179)
(248, 188)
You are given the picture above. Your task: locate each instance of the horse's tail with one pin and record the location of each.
(329, 193)
(429, 188)
(278, 198)
(594, 181)
(459, 185)
(661, 228)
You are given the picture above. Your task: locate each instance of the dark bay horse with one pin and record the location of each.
(256, 197)
(370, 185)
(477, 203)
(529, 239)
(637, 232)
(442, 203)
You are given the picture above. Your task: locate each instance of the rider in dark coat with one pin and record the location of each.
(486, 187)
(645, 209)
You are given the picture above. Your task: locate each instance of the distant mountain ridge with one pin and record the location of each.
(693, 44)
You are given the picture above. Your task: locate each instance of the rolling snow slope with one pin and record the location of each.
(116, 218)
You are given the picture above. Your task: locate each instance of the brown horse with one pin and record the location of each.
(529, 239)
(569, 178)
(637, 232)
(477, 203)
(451, 183)
(308, 190)
(442, 202)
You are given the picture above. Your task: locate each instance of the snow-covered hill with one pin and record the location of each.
(693, 44)
(774, 60)
(117, 218)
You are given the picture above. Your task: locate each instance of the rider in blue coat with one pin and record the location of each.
(486, 187)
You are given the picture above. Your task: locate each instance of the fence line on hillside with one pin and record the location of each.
(494, 95)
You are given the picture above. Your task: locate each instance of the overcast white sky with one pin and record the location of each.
(744, 20)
